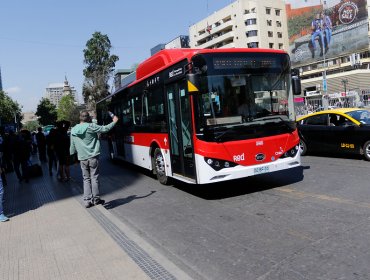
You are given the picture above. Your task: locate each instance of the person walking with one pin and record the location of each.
(41, 144)
(21, 155)
(50, 144)
(3, 218)
(2, 161)
(85, 142)
(62, 145)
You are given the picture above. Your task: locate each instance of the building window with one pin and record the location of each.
(268, 11)
(270, 34)
(271, 45)
(277, 12)
(253, 45)
(246, 12)
(269, 22)
(280, 35)
(281, 46)
(278, 23)
(251, 33)
(251, 21)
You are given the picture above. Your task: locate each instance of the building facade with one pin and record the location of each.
(243, 24)
(338, 74)
(341, 73)
(55, 91)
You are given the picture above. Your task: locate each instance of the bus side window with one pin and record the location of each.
(127, 113)
(156, 116)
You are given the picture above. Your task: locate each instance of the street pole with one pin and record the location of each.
(345, 82)
(325, 100)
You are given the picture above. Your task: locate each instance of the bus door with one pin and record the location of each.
(180, 130)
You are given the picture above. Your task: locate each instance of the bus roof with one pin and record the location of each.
(167, 57)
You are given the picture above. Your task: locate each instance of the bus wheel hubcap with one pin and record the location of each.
(159, 164)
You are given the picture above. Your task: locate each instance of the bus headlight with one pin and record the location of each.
(291, 153)
(218, 164)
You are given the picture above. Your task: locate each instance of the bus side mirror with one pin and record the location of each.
(193, 82)
(296, 85)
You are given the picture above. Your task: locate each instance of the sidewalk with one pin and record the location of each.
(50, 235)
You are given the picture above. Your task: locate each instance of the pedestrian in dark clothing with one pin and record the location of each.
(41, 144)
(2, 162)
(62, 150)
(50, 148)
(3, 218)
(33, 143)
(8, 144)
(85, 142)
(21, 155)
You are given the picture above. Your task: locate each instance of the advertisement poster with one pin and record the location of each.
(321, 29)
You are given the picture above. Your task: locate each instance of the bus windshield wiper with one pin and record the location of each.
(285, 122)
(219, 136)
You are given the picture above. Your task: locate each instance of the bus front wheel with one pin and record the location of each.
(160, 167)
(302, 147)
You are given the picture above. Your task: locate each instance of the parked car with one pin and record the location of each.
(340, 131)
(46, 129)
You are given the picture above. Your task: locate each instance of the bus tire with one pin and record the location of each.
(366, 150)
(302, 147)
(160, 167)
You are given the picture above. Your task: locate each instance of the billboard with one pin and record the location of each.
(321, 29)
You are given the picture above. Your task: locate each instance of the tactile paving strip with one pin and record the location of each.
(153, 269)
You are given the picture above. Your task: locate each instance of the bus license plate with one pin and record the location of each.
(261, 170)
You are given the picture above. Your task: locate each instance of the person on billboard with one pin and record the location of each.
(327, 26)
(317, 27)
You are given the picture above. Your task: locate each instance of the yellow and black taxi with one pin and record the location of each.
(342, 130)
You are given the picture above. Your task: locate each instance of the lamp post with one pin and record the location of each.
(344, 83)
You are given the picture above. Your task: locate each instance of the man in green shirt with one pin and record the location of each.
(85, 141)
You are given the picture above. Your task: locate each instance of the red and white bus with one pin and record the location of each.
(204, 116)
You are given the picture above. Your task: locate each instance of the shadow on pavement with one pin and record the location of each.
(120, 201)
(244, 186)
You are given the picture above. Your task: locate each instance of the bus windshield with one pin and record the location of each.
(242, 95)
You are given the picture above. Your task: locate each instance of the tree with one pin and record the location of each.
(31, 125)
(46, 111)
(99, 67)
(10, 110)
(68, 110)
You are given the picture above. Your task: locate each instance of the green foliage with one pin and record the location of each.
(9, 109)
(99, 68)
(302, 22)
(46, 111)
(68, 110)
(31, 125)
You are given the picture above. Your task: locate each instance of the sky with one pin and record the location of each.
(42, 41)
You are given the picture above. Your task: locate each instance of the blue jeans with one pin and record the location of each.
(90, 174)
(313, 37)
(328, 34)
(1, 197)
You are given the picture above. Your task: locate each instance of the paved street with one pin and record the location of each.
(307, 223)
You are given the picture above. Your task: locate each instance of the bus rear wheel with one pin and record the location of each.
(160, 167)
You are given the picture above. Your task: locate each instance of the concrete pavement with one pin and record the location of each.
(50, 235)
